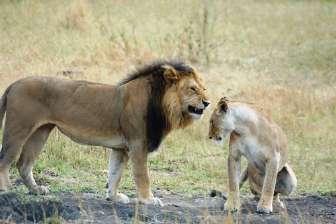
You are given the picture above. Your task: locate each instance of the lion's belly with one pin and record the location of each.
(110, 140)
(114, 142)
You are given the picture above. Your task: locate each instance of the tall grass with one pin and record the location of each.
(277, 55)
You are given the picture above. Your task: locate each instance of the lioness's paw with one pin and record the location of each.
(280, 204)
(231, 206)
(119, 197)
(264, 209)
(42, 190)
(158, 202)
(152, 201)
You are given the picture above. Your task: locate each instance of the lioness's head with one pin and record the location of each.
(185, 98)
(221, 123)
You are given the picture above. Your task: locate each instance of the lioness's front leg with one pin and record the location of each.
(117, 163)
(266, 199)
(141, 177)
(233, 202)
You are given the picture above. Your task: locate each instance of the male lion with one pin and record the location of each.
(131, 118)
(264, 145)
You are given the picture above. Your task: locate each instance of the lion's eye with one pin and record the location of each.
(193, 89)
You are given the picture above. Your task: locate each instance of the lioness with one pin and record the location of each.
(264, 145)
(131, 118)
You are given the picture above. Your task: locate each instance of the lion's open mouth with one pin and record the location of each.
(195, 110)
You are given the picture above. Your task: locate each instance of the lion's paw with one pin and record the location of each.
(3, 188)
(122, 198)
(4, 182)
(119, 197)
(39, 190)
(152, 201)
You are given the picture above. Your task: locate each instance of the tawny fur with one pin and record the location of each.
(95, 114)
(263, 144)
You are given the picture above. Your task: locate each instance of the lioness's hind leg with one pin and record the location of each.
(243, 178)
(256, 180)
(30, 152)
(278, 201)
(286, 181)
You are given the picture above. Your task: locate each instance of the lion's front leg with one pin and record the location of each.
(141, 177)
(117, 163)
(266, 198)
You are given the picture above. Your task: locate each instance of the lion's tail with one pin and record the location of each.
(3, 105)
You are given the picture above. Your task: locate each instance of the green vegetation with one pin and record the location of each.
(280, 56)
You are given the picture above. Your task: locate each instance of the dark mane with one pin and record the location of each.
(155, 68)
(157, 124)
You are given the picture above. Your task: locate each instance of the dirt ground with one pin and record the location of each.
(90, 208)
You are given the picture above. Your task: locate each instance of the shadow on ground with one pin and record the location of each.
(90, 208)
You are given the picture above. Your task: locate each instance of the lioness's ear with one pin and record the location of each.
(223, 104)
(170, 74)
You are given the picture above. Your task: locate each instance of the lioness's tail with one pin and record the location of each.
(3, 105)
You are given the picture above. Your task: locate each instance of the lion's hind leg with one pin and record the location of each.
(117, 163)
(13, 140)
(4, 173)
(30, 152)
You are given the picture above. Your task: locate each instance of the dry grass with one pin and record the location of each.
(278, 55)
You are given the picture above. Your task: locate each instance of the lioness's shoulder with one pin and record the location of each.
(244, 112)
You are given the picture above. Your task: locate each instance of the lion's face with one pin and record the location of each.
(185, 98)
(192, 96)
(221, 122)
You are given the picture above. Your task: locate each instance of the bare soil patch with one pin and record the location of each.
(91, 208)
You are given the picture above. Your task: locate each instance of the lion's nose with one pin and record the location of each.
(205, 103)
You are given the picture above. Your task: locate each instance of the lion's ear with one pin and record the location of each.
(223, 104)
(170, 74)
